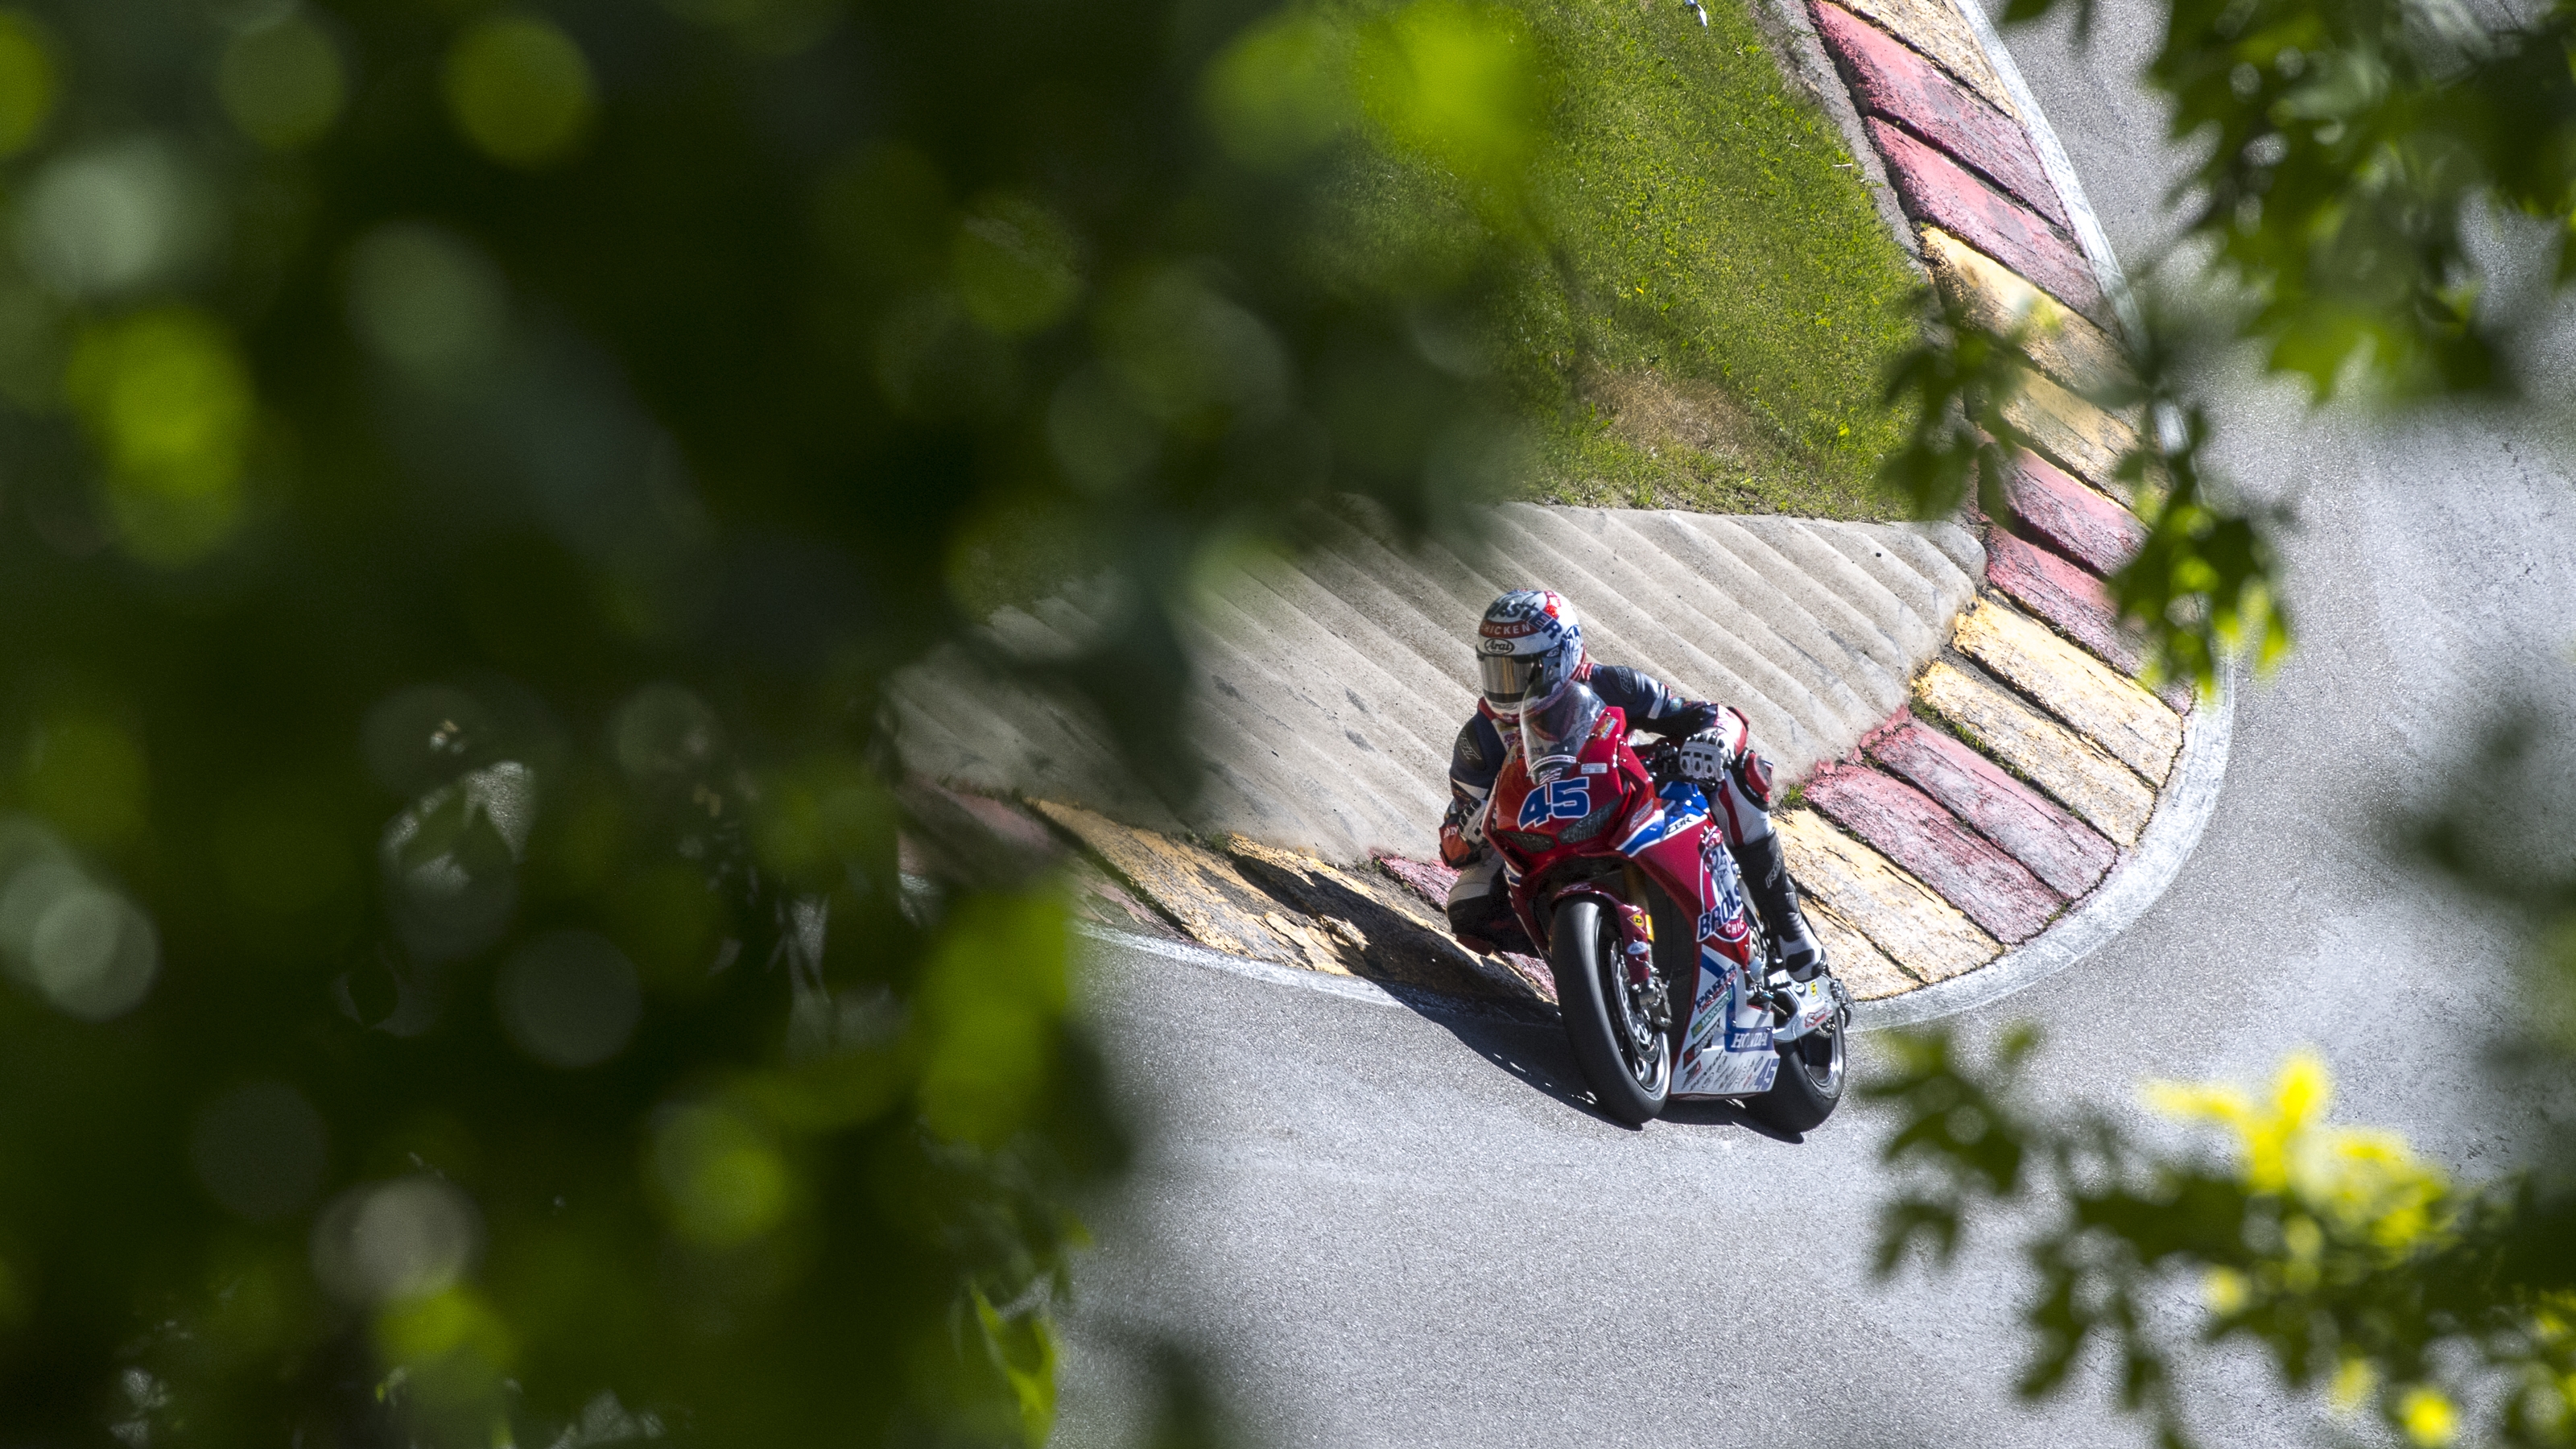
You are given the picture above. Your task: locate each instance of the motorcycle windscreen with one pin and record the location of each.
(1554, 728)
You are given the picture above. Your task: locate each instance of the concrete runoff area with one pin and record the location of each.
(1328, 689)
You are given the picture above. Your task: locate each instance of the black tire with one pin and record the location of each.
(1811, 1080)
(1630, 1078)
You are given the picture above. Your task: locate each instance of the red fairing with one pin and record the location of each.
(1607, 806)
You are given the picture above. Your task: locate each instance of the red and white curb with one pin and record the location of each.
(2100, 541)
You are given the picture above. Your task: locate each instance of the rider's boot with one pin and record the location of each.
(1775, 896)
(1480, 911)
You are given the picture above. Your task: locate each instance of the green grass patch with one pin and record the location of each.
(1715, 326)
(1710, 309)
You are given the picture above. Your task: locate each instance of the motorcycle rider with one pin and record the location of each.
(1528, 646)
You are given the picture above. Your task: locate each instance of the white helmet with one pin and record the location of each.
(1528, 646)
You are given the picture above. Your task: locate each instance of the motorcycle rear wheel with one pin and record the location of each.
(1628, 1061)
(1811, 1080)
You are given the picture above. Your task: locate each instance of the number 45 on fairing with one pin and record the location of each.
(1563, 800)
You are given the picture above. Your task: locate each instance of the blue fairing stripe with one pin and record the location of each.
(1662, 827)
(1686, 807)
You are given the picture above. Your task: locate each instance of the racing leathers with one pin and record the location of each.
(1739, 797)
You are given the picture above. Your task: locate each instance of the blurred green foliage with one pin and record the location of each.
(468, 471)
(2351, 146)
(2366, 169)
(2359, 1271)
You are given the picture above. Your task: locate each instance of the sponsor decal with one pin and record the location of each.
(1732, 1074)
(1596, 767)
(1709, 994)
(1748, 1039)
(1714, 1007)
(1725, 920)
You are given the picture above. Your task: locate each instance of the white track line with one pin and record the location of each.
(2061, 172)
(1350, 988)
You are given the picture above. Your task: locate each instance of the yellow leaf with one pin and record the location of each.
(2352, 1384)
(2428, 1416)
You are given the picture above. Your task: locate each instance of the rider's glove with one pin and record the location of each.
(1461, 834)
(1727, 751)
(1706, 756)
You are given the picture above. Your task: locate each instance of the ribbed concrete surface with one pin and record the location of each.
(1329, 689)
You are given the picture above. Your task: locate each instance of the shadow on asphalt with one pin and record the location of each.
(1727, 1114)
(1535, 1053)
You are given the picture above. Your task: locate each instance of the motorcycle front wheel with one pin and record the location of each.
(1608, 1020)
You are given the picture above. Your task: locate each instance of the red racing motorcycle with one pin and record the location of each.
(1667, 983)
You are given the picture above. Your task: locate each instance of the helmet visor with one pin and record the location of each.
(1506, 677)
(1554, 727)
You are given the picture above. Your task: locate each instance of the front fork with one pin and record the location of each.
(1637, 950)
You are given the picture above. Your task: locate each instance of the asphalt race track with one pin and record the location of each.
(1387, 1227)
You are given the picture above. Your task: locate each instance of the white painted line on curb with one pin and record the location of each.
(2107, 273)
(2061, 172)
